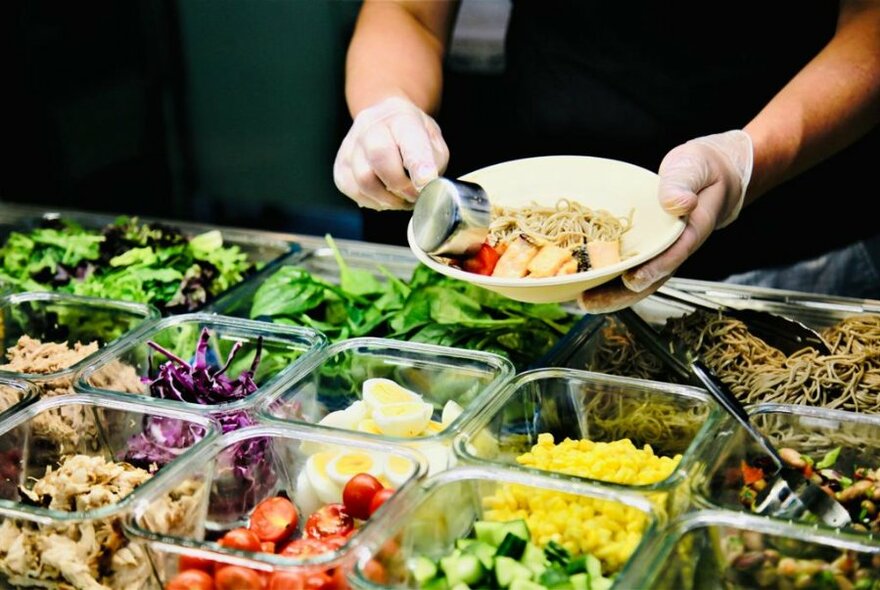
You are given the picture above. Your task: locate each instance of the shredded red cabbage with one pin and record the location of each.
(163, 439)
(198, 382)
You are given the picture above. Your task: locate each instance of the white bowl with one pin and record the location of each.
(599, 183)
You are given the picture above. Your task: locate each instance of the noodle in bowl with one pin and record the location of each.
(610, 190)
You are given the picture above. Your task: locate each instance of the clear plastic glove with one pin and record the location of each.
(704, 179)
(392, 150)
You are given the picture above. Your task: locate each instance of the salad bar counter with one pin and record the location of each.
(208, 408)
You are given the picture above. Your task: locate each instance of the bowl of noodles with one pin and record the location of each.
(561, 225)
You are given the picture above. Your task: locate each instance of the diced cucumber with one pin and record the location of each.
(594, 567)
(461, 586)
(463, 543)
(511, 546)
(435, 584)
(484, 551)
(554, 577)
(494, 532)
(422, 568)
(521, 584)
(580, 581)
(601, 583)
(465, 568)
(576, 565)
(508, 569)
(533, 558)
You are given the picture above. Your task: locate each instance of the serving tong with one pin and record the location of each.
(789, 494)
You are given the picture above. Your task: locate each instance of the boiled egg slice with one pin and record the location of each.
(434, 427)
(406, 420)
(398, 470)
(325, 488)
(347, 464)
(368, 425)
(439, 456)
(307, 500)
(378, 392)
(451, 411)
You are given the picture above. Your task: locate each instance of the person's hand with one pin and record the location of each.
(706, 180)
(391, 152)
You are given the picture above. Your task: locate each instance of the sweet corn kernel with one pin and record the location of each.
(609, 530)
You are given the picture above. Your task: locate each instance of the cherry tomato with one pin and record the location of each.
(235, 577)
(305, 579)
(380, 498)
(267, 547)
(287, 580)
(191, 580)
(274, 519)
(304, 548)
(241, 539)
(330, 519)
(190, 562)
(337, 541)
(358, 493)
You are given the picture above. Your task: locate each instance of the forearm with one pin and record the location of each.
(397, 50)
(833, 101)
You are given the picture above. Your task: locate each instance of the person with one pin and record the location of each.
(765, 116)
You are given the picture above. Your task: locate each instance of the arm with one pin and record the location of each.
(828, 105)
(394, 78)
(385, 32)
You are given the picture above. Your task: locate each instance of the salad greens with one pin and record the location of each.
(126, 260)
(429, 308)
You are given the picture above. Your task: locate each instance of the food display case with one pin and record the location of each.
(48, 338)
(719, 549)
(244, 469)
(73, 467)
(244, 253)
(457, 527)
(415, 395)
(491, 428)
(206, 363)
(625, 434)
(839, 450)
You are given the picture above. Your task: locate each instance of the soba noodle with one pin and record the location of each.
(568, 224)
(847, 379)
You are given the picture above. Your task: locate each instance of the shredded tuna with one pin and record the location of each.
(67, 425)
(90, 555)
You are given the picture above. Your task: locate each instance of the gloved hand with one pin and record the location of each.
(705, 179)
(392, 150)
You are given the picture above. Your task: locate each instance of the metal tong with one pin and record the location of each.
(780, 332)
(789, 494)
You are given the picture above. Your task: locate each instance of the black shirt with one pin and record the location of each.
(631, 80)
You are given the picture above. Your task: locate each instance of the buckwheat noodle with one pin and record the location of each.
(847, 379)
(568, 224)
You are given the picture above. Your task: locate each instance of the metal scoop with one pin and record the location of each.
(451, 218)
(789, 493)
(785, 334)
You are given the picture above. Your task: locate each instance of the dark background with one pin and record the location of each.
(219, 111)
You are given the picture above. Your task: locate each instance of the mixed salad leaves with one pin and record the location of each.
(429, 308)
(126, 260)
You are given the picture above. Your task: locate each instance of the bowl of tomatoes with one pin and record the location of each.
(302, 531)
